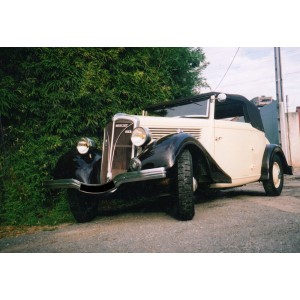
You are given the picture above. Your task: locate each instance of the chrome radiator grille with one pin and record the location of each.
(157, 133)
(117, 148)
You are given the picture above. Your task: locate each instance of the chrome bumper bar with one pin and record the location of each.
(144, 175)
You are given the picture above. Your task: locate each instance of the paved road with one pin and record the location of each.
(238, 220)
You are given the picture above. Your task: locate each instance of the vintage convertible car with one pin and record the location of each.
(209, 141)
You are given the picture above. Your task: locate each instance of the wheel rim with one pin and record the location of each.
(276, 175)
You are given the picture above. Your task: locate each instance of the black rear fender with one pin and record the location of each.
(272, 149)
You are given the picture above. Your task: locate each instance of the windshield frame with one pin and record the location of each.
(181, 105)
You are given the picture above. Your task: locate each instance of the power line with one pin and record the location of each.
(258, 81)
(291, 73)
(228, 68)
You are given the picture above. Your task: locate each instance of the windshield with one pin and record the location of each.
(197, 109)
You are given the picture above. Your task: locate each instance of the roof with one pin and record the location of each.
(233, 104)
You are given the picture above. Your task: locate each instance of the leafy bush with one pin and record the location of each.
(26, 200)
(52, 96)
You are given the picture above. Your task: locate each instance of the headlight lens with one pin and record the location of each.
(84, 144)
(140, 136)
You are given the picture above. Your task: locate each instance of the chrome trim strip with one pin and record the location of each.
(103, 147)
(132, 118)
(63, 184)
(136, 123)
(150, 174)
(113, 142)
(110, 158)
(144, 175)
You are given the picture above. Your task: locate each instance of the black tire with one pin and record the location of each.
(84, 207)
(184, 207)
(273, 186)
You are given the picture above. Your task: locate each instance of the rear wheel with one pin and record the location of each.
(273, 186)
(83, 206)
(184, 195)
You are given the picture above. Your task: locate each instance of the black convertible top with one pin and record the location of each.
(232, 106)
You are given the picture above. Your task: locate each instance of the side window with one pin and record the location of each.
(231, 111)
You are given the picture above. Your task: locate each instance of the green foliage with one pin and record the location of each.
(26, 200)
(49, 97)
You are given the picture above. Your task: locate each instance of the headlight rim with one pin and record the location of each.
(145, 140)
(85, 143)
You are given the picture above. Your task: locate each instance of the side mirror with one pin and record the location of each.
(221, 97)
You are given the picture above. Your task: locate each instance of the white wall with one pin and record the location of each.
(294, 137)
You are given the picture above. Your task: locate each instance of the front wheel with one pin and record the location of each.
(84, 207)
(273, 186)
(184, 195)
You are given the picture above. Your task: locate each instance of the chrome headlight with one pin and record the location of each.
(84, 144)
(140, 136)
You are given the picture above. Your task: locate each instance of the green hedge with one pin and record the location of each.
(52, 96)
(26, 200)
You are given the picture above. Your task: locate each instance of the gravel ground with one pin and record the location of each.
(241, 220)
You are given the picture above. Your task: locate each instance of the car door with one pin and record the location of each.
(233, 149)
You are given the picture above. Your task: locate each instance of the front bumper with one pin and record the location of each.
(110, 187)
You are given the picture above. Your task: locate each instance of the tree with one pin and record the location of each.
(52, 96)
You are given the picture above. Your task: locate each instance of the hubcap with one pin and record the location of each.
(276, 175)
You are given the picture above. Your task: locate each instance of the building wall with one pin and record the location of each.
(269, 115)
(298, 112)
(294, 138)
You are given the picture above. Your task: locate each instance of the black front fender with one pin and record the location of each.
(166, 151)
(84, 168)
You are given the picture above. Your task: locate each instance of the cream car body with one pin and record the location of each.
(209, 141)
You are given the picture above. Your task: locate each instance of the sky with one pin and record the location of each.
(252, 72)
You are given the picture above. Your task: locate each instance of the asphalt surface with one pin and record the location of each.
(241, 220)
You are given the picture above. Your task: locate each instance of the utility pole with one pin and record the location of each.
(279, 94)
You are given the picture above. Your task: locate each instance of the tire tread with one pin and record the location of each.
(185, 195)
